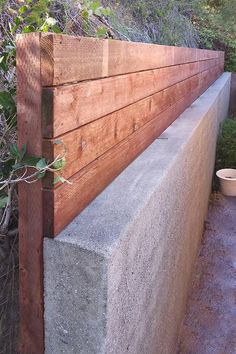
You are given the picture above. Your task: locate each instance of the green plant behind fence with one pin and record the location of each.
(226, 148)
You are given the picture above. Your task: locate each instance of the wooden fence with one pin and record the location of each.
(106, 101)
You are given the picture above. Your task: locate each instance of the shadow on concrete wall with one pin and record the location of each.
(232, 107)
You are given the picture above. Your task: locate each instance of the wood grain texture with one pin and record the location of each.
(68, 59)
(88, 142)
(30, 197)
(87, 101)
(62, 204)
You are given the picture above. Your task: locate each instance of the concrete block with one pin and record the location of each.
(117, 278)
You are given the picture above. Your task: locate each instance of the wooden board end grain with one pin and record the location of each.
(68, 59)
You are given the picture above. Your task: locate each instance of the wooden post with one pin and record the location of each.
(30, 197)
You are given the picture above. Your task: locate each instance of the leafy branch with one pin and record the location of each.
(15, 164)
(20, 167)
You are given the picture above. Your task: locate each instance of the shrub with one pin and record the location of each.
(226, 148)
(215, 22)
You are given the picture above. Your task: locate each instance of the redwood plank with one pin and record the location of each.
(68, 59)
(82, 103)
(30, 197)
(143, 56)
(128, 57)
(88, 142)
(65, 202)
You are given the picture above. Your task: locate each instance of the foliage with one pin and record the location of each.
(215, 22)
(163, 22)
(226, 147)
(14, 162)
(23, 17)
(82, 17)
(29, 17)
(191, 23)
(90, 8)
(15, 169)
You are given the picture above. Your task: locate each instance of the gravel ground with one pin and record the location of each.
(210, 323)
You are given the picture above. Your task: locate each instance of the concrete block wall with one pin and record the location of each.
(117, 278)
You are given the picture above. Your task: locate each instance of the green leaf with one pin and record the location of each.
(86, 13)
(18, 20)
(3, 202)
(95, 5)
(106, 12)
(44, 28)
(57, 142)
(58, 165)
(41, 164)
(102, 32)
(41, 174)
(7, 102)
(22, 151)
(32, 19)
(18, 166)
(31, 160)
(61, 180)
(29, 29)
(23, 9)
(56, 29)
(15, 152)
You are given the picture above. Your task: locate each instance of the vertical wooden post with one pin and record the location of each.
(30, 197)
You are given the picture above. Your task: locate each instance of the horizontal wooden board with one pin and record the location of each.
(62, 204)
(87, 101)
(88, 142)
(67, 59)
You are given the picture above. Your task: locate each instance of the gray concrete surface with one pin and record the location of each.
(210, 322)
(117, 278)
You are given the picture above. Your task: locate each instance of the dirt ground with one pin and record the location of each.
(9, 285)
(210, 323)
